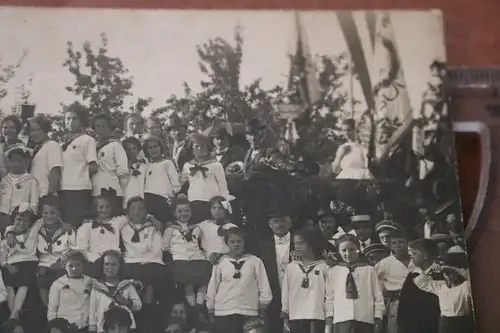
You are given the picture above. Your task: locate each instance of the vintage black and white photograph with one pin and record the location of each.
(228, 172)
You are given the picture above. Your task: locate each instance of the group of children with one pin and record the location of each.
(159, 256)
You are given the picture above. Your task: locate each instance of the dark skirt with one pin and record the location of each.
(153, 275)
(76, 206)
(230, 324)
(46, 276)
(307, 326)
(462, 324)
(24, 277)
(353, 326)
(200, 211)
(195, 272)
(158, 206)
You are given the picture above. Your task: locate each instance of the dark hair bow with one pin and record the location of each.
(108, 191)
(107, 226)
(199, 168)
(221, 231)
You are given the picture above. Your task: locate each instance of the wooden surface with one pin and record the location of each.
(472, 40)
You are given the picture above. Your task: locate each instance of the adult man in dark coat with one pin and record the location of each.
(181, 149)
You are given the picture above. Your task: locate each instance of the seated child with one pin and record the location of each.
(353, 307)
(109, 291)
(69, 295)
(179, 310)
(454, 293)
(53, 241)
(117, 320)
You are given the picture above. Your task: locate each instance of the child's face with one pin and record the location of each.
(154, 128)
(74, 268)
(22, 222)
(301, 246)
(375, 257)
(183, 212)
(236, 245)
(399, 246)
(101, 128)
(385, 237)
(117, 328)
(50, 214)
(417, 257)
(110, 266)
(179, 311)
(328, 225)
(131, 150)
(9, 129)
(154, 149)
(137, 212)
(36, 132)
(349, 252)
(102, 208)
(218, 211)
(363, 231)
(280, 225)
(72, 122)
(17, 163)
(199, 150)
(173, 328)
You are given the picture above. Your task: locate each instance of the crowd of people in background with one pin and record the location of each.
(149, 233)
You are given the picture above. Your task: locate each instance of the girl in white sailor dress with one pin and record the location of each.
(18, 187)
(137, 170)
(204, 178)
(162, 180)
(112, 161)
(18, 258)
(239, 291)
(143, 252)
(100, 234)
(304, 287)
(190, 268)
(53, 242)
(109, 290)
(214, 230)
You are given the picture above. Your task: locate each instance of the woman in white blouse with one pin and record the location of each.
(46, 165)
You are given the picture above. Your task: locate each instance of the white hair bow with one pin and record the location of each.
(24, 207)
(227, 203)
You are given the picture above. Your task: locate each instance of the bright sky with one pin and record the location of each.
(159, 47)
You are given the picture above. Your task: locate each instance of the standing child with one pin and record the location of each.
(19, 261)
(18, 187)
(354, 300)
(454, 293)
(384, 230)
(69, 295)
(190, 269)
(213, 230)
(109, 291)
(112, 162)
(392, 272)
(304, 287)
(117, 320)
(53, 241)
(375, 253)
(239, 289)
(162, 180)
(137, 170)
(79, 165)
(205, 178)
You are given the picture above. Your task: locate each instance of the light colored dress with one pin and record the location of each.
(354, 164)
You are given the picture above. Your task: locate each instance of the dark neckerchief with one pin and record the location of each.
(136, 237)
(200, 166)
(221, 231)
(238, 265)
(306, 269)
(103, 226)
(187, 234)
(51, 236)
(70, 139)
(134, 167)
(351, 291)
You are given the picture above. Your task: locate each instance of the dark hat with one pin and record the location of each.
(325, 212)
(456, 260)
(446, 238)
(376, 248)
(387, 224)
(174, 121)
(254, 126)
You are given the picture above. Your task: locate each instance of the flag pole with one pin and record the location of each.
(351, 86)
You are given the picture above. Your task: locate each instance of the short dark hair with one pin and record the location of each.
(42, 121)
(16, 212)
(50, 200)
(80, 113)
(179, 201)
(114, 254)
(132, 140)
(102, 116)
(134, 200)
(75, 255)
(116, 316)
(427, 246)
(311, 238)
(234, 231)
(15, 119)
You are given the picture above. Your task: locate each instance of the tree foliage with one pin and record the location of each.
(7, 73)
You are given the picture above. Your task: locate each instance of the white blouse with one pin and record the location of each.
(211, 242)
(50, 251)
(135, 182)
(76, 158)
(392, 273)
(176, 241)
(148, 248)
(162, 178)
(16, 190)
(206, 184)
(47, 158)
(113, 167)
